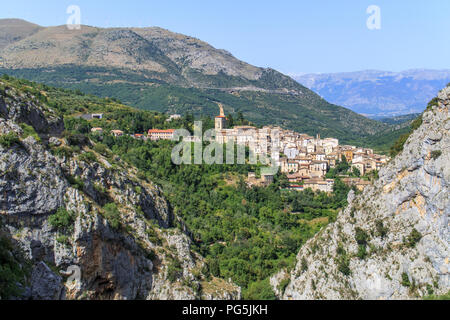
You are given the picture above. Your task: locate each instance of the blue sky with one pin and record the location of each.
(291, 36)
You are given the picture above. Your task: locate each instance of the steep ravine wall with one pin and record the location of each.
(131, 253)
(392, 241)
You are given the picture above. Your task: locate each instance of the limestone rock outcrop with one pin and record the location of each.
(118, 240)
(392, 241)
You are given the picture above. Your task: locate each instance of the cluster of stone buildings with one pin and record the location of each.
(260, 141)
(305, 159)
(152, 134)
(159, 134)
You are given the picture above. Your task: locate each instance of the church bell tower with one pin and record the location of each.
(221, 121)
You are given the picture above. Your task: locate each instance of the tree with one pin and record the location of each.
(260, 290)
(356, 172)
(62, 220)
(340, 192)
(9, 139)
(381, 229)
(230, 121)
(240, 117)
(361, 236)
(214, 267)
(12, 271)
(78, 125)
(112, 214)
(413, 238)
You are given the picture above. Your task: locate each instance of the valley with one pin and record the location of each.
(100, 200)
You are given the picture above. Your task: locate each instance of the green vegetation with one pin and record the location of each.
(405, 280)
(430, 289)
(356, 172)
(260, 290)
(12, 271)
(362, 252)
(362, 239)
(400, 120)
(76, 182)
(283, 284)
(214, 267)
(62, 220)
(435, 297)
(413, 238)
(102, 149)
(112, 214)
(29, 131)
(436, 154)
(153, 236)
(246, 234)
(361, 236)
(290, 111)
(63, 239)
(383, 141)
(62, 152)
(88, 157)
(304, 265)
(344, 265)
(9, 139)
(343, 261)
(433, 103)
(341, 168)
(174, 269)
(399, 144)
(381, 229)
(77, 139)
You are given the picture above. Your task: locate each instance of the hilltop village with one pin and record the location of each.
(305, 160)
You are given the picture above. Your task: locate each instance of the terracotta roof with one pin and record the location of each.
(161, 131)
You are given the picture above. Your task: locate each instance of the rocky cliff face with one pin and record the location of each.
(113, 238)
(392, 241)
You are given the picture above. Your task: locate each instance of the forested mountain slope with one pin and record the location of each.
(233, 230)
(77, 222)
(155, 69)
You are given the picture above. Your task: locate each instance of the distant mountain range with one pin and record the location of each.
(379, 94)
(155, 69)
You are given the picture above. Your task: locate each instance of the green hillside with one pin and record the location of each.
(156, 69)
(306, 113)
(246, 234)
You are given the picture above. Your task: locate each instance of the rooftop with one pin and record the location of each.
(161, 131)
